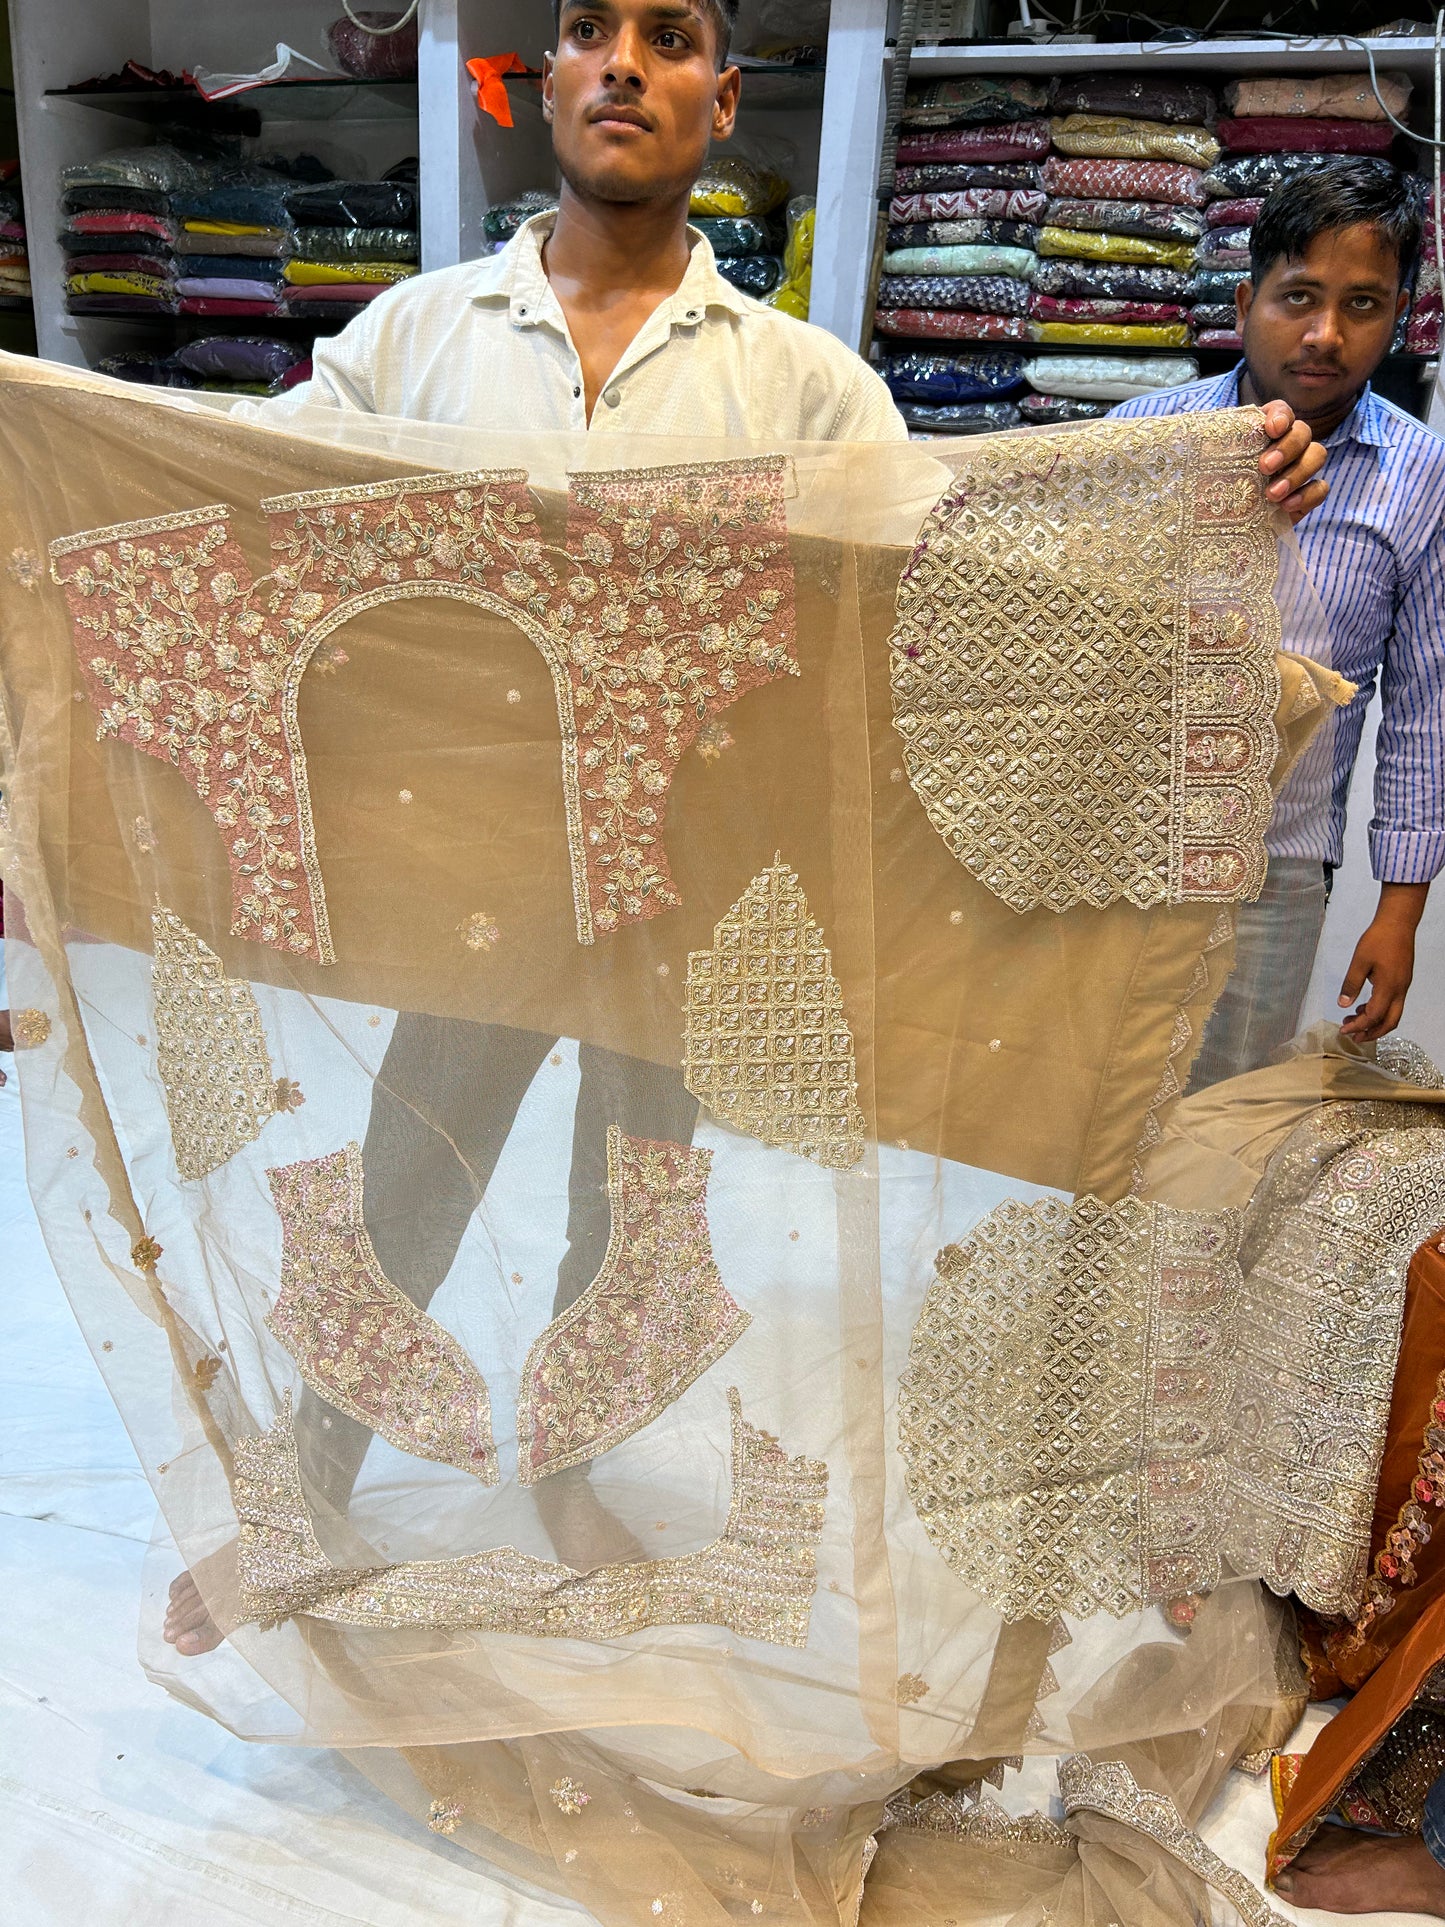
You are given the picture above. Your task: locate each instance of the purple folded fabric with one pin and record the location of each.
(1289, 134)
(227, 288)
(1014, 140)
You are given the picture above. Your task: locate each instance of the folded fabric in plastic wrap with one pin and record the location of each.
(951, 324)
(153, 286)
(243, 205)
(135, 200)
(1154, 220)
(239, 267)
(732, 235)
(262, 245)
(1422, 331)
(1108, 137)
(122, 223)
(359, 243)
(300, 307)
(1012, 140)
(1214, 284)
(1044, 410)
(794, 293)
(1232, 242)
(755, 274)
(220, 307)
(1251, 176)
(357, 293)
(1281, 134)
(1213, 315)
(238, 358)
(150, 370)
(1320, 96)
(1019, 262)
(151, 245)
(975, 376)
(734, 186)
(307, 274)
(226, 287)
(983, 293)
(1080, 244)
(353, 204)
(108, 262)
(500, 223)
(234, 229)
(1111, 334)
(1052, 307)
(948, 177)
(1150, 97)
(964, 234)
(118, 304)
(969, 203)
(160, 167)
(1240, 213)
(957, 103)
(1088, 180)
(1110, 281)
(1109, 377)
(961, 418)
(1220, 338)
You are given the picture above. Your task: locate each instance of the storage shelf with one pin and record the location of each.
(322, 99)
(1249, 55)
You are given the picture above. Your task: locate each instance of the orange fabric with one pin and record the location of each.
(492, 88)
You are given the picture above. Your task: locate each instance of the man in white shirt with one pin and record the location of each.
(609, 316)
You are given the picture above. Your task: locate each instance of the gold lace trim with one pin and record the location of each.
(756, 1580)
(361, 1344)
(652, 1321)
(972, 1818)
(767, 1047)
(1083, 664)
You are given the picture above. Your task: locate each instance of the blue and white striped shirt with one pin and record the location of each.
(1375, 552)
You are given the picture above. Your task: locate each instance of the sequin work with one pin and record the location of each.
(674, 598)
(768, 1047)
(652, 1321)
(29, 1028)
(359, 1342)
(1083, 667)
(757, 1579)
(211, 1053)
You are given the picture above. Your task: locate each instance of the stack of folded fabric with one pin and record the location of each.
(501, 222)
(234, 238)
(224, 364)
(1274, 128)
(1422, 336)
(14, 260)
(119, 231)
(963, 223)
(353, 241)
(737, 206)
(956, 394)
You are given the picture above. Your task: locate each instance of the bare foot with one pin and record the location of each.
(189, 1627)
(1345, 1872)
(583, 1532)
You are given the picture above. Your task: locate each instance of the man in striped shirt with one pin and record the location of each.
(1330, 260)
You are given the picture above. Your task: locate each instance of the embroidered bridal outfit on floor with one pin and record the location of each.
(602, 1051)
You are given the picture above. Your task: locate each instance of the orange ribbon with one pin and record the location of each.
(491, 88)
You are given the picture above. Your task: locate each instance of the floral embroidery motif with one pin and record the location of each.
(768, 1048)
(673, 599)
(480, 932)
(652, 1321)
(359, 1342)
(211, 1052)
(911, 1688)
(26, 568)
(1403, 1057)
(757, 1579)
(569, 1796)
(1083, 666)
(445, 1816)
(29, 1028)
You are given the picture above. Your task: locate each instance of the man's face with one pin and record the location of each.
(1316, 329)
(634, 96)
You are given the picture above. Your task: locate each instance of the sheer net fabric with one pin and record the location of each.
(533, 946)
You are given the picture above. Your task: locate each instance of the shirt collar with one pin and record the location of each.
(518, 278)
(1365, 422)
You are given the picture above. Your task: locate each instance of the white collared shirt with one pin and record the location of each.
(485, 345)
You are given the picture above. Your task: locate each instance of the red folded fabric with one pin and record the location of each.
(214, 305)
(1219, 338)
(1051, 307)
(1233, 213)
(1286, 134)
(126, 223)
(1010, 140)
(1084, 179)
(12, 230)
(344, 291)
(969, 204)
(951, 324)
(116, 264)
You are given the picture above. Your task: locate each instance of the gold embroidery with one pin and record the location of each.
(911, 1688)
(652, 1321)
(1083, 667)
(970, 1816)
(25, 567)
(768, 1048)
(29, 1029)
(211, 1051)
(146, 1254)
(569, 1796)
(480, 932)
(756, 1580)
(1181, 1037)
(360, 1343)
(445, 1816)
(1111, 1789)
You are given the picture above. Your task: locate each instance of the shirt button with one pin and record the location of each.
(576, 390)
(694, 314)
(612, 398)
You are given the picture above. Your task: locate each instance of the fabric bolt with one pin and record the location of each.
(755, 274)
(118, 200)
(1222, 340)
(1084, 245)
(1150, 98)
(957, 103)
(500, 223)
(951, 324)
(1231, 241)
(1038, 411)
(1160, 222)
(236, 229)
(947, 234)
(944, 177)
(353, 204)
(961, 418)
(119, 304)
(1109, 281)
(274, 245)
(218, 287)
(1016, 262)
(247, 307)
(1251, 176)
(1282, 134)
(1116, 180)
(1002, 204)
(952, 378)
(732, 186)
(109, 282)
(1109, 334)
(1106, 137)
(108, 262)
(1214, 316)
(1237, 213)
(237, 267)
(1108, 378)
(1049, 307)
(150, 370)
(306, 274)
(1212, 285)
(160, 167)
(1017, 140)
(13, 232)
(1320, 96)
(242, 205)
(984, 293)
(154, 224)
(1376, 552)
(365, 243)
(729, 238)
(153, 245)
(344, 293)
(299, 305)
(238, 357)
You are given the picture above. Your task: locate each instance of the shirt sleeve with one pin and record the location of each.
(341, 377)
(867, 411)
(1407, 835)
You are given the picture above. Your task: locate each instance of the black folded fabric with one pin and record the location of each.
(353, 204)
(949, 234)
(115, 200)
(117, 244)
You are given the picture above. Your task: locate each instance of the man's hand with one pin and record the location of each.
(1386, 956)
(1291, 467)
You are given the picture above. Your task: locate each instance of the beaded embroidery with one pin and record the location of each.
(211, 1051)
(361, 1344)
(757, 1579)
(1083, 666)
(652, 1321)
(768, 1048)
(673, 598)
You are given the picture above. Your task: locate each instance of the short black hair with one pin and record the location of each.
(724, 18)
(1347, 192)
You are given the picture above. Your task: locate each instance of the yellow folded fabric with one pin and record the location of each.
(233, 227)
(146, 284)
(310, 273)
(1112, 137)
(1080, 245)
(1114, 334)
